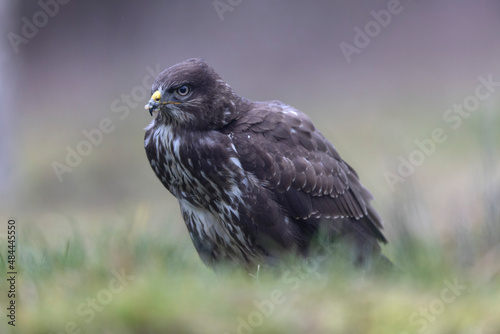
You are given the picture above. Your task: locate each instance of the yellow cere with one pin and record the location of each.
(156, 96)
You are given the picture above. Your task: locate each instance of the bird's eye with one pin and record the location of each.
(183, 90)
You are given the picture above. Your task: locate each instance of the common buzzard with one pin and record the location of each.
(255, 180)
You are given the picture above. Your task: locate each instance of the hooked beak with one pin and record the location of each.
(154, 103)
(151, 106)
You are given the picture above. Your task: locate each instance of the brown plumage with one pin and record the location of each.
(254, 180)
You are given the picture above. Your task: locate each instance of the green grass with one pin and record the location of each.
(171, 291)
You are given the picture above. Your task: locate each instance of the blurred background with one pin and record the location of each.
(80, 66)
(68, 65)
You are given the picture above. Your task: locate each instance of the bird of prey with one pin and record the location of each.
(255, 181)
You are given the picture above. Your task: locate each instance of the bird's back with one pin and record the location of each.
(315, 188)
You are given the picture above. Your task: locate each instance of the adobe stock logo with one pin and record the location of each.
(372, 29)
(453, 119)
(290, 283)
(430, 312)
(87, 310)
(30, 28)
(222, 6)
(93, 138)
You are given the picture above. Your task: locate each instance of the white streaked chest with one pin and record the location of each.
(227, 238)
(166, 159)
(205, 222)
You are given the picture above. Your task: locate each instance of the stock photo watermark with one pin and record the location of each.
(291, 280)
(453, 119)
(363, 37)
(88, 309)
(31, 26)
(11, 272)
(429, 313)
(95, 136)
(223, 6)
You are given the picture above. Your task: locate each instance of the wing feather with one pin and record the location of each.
(283, 149)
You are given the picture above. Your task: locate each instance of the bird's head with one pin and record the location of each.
(192, 95)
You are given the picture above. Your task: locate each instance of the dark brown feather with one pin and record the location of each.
(254, 180)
